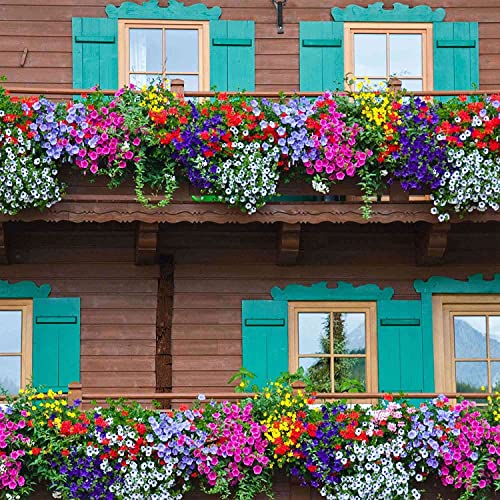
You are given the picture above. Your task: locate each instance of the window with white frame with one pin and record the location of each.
(153, 51)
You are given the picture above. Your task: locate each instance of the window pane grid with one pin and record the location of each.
(334, 316)
(164, 74)
(487, 360)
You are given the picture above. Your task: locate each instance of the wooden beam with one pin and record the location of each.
(288, 244)
(431, 243)
(4, 254)
(146, 243)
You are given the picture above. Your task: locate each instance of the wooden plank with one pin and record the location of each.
(119, 316)
(202, 347)
(109, 364)
(110, 347)
(206, 363)
(125, 380)
(122, 334)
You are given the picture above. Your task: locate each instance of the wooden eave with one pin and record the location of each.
(123, 208)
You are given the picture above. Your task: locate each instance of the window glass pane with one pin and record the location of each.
(412, 84)
(405, 52)
(495, 376)
(141, 80)
(349, 333)
(10, 373)
(495, 336)
(11, 328)
(191, 82)
(145, 50)
(318, 370)
(470, 336)
(471, 376)
(370, 55)
(350, 374)
(314, 333)
(182, 51)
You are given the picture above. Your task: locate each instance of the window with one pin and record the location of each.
(15, 344)
(150, 51)
(378, 51)
(335, 343)
(467, 340)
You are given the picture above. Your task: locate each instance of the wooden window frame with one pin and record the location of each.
(370, 310)
(203, 27)
(445, 307)
(26, 307)
(425, 29)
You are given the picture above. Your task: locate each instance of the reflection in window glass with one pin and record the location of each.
(11, 327)
(10, 373)
(470, 336)
(141, 80)
(314, 333)
(318, 370)
(350, 374)
(191, 82)
(495, 376)
(495, 336)
(370, 55)
(349, 333)
(182, 51)
(146, 50)
(412, 85)
(405, 54)
(471, 376)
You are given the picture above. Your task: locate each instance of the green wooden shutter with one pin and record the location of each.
(321, 56)
(56, 343)
(400, 346)
(232, 55)
(456, 56)
(95, 53)
(265, 338)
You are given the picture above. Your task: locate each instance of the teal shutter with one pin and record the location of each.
(400, 346)
(232, 55)
(56, 343)
(95, 53)
(265, 338)
(456, 56)
(321, 56)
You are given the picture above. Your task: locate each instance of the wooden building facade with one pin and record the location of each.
(179, 298)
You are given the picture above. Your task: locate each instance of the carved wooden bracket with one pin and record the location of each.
(431, 244)
(146, 243)
(4, 256)
(288, 244)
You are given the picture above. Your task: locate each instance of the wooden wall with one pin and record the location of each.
(44, 28)
(118, 299)
(216, 267)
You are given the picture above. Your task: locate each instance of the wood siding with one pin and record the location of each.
(216, 267)
(118, 298)
(44, 28)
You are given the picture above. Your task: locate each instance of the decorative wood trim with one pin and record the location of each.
(288, 244)
(175, 10)
(400, 13)
(123, 208)
(4, 254)
(23, 290)
(343, 292)
(146, 244)
(474, 284)
(431, 244)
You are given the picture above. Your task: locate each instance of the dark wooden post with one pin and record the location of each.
(177, 87)
(395, 84)
(298, 386)
(75, 392)
(4, 254)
